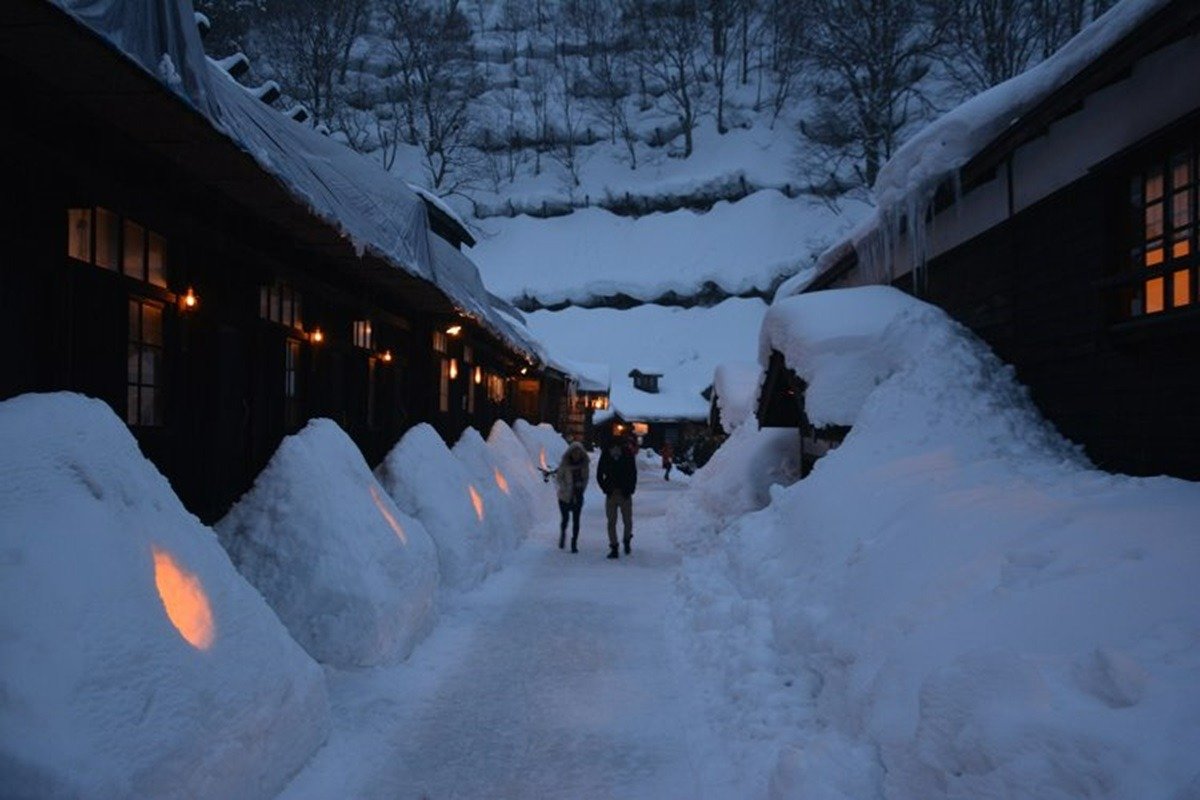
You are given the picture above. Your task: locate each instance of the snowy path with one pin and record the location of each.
(553, 679)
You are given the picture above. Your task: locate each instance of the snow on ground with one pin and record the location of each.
(738, 247)
(685, 343)
(556, 678)
(427, 482)
(351, 576)
(953, 604)
(134, 660)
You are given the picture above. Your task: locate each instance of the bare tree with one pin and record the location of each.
(987, 41)
(720, 17)
(1059, 20)
(436, 81)
(871, 56)
(310, 40)
(673, 37)
(539, 105)
(568, 126)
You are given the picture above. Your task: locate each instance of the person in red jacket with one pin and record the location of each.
(668, 459)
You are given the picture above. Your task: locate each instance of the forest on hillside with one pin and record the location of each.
(481, 93)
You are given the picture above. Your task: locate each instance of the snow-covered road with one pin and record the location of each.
(554, 679)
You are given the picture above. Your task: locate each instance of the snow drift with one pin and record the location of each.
(532, 498)
(953, 604)
(499, 511)
(426, 481)
(134, 660)
(351, 576)
(545, 445)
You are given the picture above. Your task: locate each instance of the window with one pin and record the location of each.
(291, 384)
(1163, 219)
(280, 303)
(363, 336)
(472, 378)
(144, 378)
(496, 388)
(440, 343)
(444, 386)
(99, 236)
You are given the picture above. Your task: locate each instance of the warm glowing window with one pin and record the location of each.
(440, 343)
(1163, 203)
(144, 364)
(98, 236)
(495, 388)
(280, 303)
(364, 337)
(444, 386)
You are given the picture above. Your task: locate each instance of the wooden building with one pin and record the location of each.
(215, 301)
(1070, 243)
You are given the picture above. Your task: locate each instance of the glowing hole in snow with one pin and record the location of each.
(476, 501)
(397, 528)
(184, 600)
(542, 459)
(501, 481)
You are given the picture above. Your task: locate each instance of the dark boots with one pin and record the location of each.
(627, 542)
(575, 543)
(562, 540)
(613, 552)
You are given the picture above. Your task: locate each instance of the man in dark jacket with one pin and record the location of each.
(617, 476)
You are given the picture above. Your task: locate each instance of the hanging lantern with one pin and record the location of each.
(387, 356)
(316, 337)
(189, 301)
(454, 330)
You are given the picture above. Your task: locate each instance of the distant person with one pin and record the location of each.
(668, 459)
(617, 475)
(571, 478)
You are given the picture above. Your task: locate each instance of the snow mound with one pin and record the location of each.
(958, 596)
(544, 444)
(534, 499)
(499, 511)
(842, 344)
(424, 479)
(351, 576)
(736, 385)
(134, 660)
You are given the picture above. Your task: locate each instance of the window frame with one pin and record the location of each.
(138, 347)
(115, 259)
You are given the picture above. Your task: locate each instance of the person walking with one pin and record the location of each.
(617, 475)
(571, 480)
(668, 460)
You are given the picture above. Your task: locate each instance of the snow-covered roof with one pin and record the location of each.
(665, 406)
(370, 208)
(907, 182)
(589, 375)
(442, 206)
(735, 389)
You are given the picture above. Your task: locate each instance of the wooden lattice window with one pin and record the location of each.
(144, 364)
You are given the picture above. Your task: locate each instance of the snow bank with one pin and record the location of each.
(954, 604)
(427, 482)
(351, 576)
(499, 513)
(736, 386)
(534, 499)
(134, 660)
(544, 444)
(842, 344)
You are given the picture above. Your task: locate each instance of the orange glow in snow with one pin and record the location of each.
(476, 501)
(542, 459)
(184, 600)
(501, 481)
(387, 515)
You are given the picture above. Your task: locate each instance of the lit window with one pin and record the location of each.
(363, 336)
(107, 241)
(440, 342)
(444, 386)
(144, 378)
(291, 384)
(79, 234)
(1163, 256)
(98, 236)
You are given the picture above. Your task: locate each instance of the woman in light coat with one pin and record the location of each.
(571, 478)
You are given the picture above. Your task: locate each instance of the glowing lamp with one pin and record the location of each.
(478, 376)
(524, 370)
(454, 330)
(476, 501)
(184, 600)
(387, 356)
(542, 459)
(316, 337)
(190, 301)
(453, 368)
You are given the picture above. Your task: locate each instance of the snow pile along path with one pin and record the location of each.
(134, 660)
(953, 604)
(351, 575)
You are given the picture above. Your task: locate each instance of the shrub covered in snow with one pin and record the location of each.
(499, 514)
(425, 480)
(351, 576)
(960, 605)
(134, 661)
